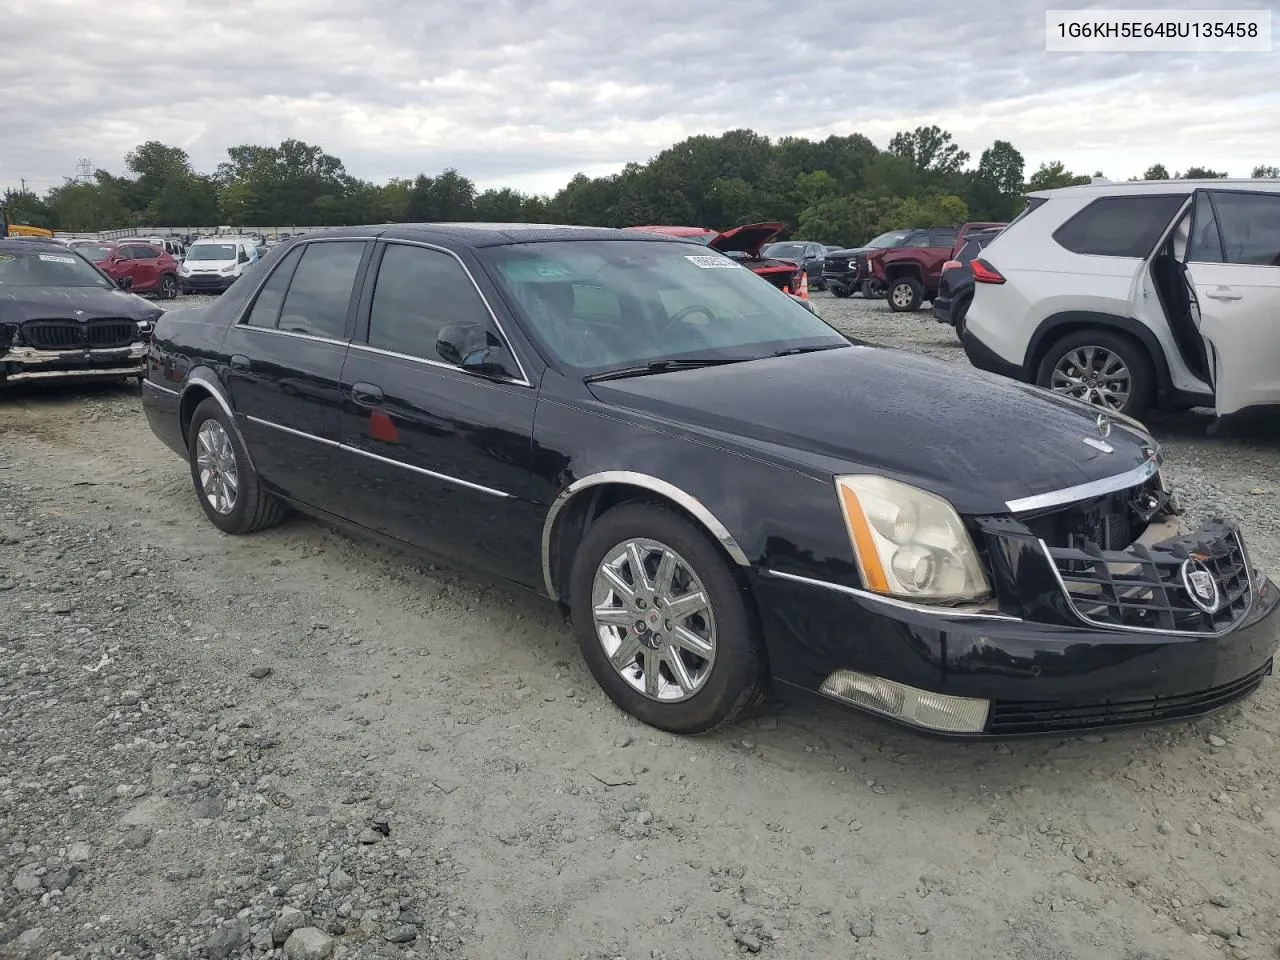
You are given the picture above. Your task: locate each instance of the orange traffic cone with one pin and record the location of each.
(804, 286)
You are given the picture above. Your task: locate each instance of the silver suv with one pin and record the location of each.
(1141, 295)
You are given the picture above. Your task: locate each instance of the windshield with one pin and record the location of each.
(784, 251)
(212, 251)
(42, 268)
(600, 305)
(97, 252)
(891, 239)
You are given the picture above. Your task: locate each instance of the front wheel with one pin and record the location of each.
(872, 289)
(840, 290)
(227, 486)
(905, 294)
(168, 287)
(664, 624)
(1106, 369)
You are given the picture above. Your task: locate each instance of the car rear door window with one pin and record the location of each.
(418, 292)
(320, 292)
(266, 308)
(1250, 227)
(1120, 226)
(920, 239)
(143, 252)
(944, 238)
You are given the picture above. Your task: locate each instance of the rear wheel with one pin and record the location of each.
(905, 294)
(1106, 369)
(227, 486)
(961, 311)
(664, 624)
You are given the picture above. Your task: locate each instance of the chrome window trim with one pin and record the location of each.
(524, 376)
(346, 447)
(1251, 591)
(1093, 488)
(436, 363)
(662, 487)
(294, 333)
(935, 610)
(159, 389)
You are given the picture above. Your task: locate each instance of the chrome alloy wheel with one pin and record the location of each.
(653, 618)
(902, 294)
(1095, 375)
(216, 465)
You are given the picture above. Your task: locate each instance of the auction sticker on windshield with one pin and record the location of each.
(54, 258)
(712, 263)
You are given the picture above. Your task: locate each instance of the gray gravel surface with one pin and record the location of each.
(299, 745)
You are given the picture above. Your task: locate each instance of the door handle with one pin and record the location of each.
(1223, 293)
(239, 363)
(366, 395)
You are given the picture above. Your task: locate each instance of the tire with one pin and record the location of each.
(720, 686)
(961, 311)
(904, 294)
(872, 289)
(168, 289)
(1062, 355)
(252, 507)
(840, 290)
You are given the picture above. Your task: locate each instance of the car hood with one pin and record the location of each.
(747, 239)
(974, 438)
(20, 304)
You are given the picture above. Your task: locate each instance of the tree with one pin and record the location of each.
(929, 150)
(1157, 171)
(995, 188)
(1202, 173)
(1265, 173)
(1052, 175)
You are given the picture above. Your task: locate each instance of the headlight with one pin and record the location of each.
(227, 270)
(910, 543)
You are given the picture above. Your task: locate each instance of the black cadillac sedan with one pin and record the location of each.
(721, 490)
(63, 318)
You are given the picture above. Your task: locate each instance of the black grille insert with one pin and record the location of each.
(1151, 588)
(1009, 717)
(100, 334)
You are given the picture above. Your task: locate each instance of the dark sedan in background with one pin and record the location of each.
(61, 317)
(720, 489)
(805, 254)
(955, 285)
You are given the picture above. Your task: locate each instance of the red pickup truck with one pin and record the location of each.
(909, 274)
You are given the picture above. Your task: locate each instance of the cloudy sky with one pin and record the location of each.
(527, 92)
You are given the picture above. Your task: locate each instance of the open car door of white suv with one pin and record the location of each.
(1233, 257)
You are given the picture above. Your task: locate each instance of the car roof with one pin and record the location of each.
(26, 243)
(490, 234)
(1155, 186)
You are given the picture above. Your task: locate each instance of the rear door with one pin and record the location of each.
(285, 361)
(1233, 257)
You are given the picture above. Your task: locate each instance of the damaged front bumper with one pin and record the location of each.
(27, 363)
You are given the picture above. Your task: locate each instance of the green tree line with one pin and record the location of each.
(838, 190)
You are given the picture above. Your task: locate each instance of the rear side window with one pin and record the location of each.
(266, 309)
(1250, 224)
(1119, 226)
(944, 238)
(320, 293)
(970, 250)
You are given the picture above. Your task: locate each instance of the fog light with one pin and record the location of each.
(920, 708)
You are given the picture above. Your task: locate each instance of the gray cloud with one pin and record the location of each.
(527, 91)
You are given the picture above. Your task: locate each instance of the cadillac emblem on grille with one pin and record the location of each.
(1201, 587)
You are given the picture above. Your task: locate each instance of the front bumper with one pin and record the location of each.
(206, 283)
(1038, 678)
(27, 363)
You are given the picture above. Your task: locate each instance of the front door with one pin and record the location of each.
(1233, 257)
(285, 365)
(434, 456)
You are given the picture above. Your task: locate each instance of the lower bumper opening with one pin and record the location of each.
(909, 705)
(1017, 717)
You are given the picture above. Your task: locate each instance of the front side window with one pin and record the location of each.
(1250, 224)
(320, 293)
(417, 293)
(266, 308)
(1120, 226)
(598, 305)
(145, 253)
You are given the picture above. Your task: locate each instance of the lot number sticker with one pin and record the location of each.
(54, 258)
(713, 263)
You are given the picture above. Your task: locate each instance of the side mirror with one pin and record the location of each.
(473, 347)
(125, 283)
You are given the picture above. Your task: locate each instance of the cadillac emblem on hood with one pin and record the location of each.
(1103, 423)
(1200, 585)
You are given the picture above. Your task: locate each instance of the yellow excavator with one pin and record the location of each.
(8, 229)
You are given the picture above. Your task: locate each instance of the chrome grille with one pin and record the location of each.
(99, 334)
(1146, 588)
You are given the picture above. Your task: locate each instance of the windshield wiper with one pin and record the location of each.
(661, 366)
(792, 351)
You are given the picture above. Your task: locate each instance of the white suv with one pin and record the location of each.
(1140, 295)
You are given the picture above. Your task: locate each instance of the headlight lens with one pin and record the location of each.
(910, 543)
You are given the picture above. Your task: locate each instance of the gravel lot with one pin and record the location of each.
(298, 745)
